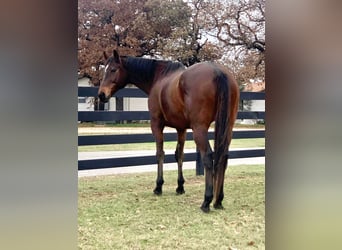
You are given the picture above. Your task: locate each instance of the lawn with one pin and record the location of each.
(236, 143)
(121, 212)
(147, 125)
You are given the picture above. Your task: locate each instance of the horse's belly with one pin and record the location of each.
(176, 121)
(174, 112)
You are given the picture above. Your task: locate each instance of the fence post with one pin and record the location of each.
(199, 165)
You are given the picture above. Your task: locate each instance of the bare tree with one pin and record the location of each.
(240, 27)
(102, 26)
(188, 31)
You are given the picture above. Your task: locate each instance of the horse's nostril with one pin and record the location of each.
(102, 97)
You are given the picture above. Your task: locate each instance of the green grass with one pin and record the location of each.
(121, 212)
(147, 125)
(236, 143)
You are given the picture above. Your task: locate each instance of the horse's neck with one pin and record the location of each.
(146, 87)
(147, 72)
(140, 78)
(143, 84)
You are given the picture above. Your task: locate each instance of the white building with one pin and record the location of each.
(253, 105)
(85, 103)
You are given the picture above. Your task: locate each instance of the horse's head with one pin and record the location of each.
(115, 77)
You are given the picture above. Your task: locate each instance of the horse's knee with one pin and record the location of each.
(179, 154)
(176, 155)
(160, 153)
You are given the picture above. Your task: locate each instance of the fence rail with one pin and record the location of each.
(151, 159)
(134, 92)
(86, 116)
(87, 140)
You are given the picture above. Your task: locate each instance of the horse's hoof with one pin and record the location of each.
(157, 191)
(218, 206)
(205, 209)
(180, 191)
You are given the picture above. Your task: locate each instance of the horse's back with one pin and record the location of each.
(186, 99)
(200, 76)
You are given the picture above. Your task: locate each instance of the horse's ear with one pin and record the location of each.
(116, 56)
(105, 55)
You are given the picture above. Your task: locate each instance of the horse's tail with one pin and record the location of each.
(221, 132)
(221, 120)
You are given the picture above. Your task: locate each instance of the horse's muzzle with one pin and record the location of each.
(103, 97)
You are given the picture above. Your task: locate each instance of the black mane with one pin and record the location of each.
(142, 67)
(145, 68)
(172, 66)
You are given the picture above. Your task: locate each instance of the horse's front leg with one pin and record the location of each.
(157, 130)
(179, 154)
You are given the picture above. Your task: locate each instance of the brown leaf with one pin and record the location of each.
(251, 243)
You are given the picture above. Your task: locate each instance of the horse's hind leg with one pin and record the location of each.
(157, 130)
(219, 176)
(201, 139)
(179, 154)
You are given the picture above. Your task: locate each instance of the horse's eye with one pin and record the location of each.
(113, 70)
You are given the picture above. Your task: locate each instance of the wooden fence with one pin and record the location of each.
(139, 138)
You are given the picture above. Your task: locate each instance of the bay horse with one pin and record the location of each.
(182, 98)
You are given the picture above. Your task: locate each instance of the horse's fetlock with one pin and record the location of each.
(180, 182)
(160, 182)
